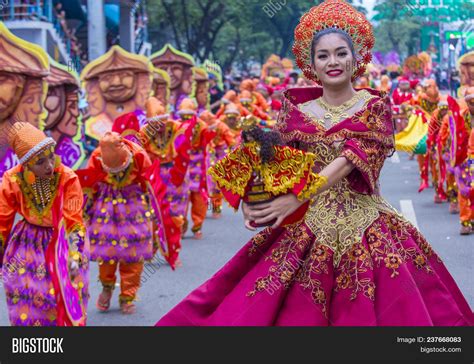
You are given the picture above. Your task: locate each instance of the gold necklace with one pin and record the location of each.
(335, 114)
(42, 192)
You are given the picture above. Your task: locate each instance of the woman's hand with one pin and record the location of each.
(246, 211)
(278, 209)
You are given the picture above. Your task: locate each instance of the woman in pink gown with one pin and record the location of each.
(353, 260)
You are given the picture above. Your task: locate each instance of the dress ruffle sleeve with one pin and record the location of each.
(290, 170)
(369, 141)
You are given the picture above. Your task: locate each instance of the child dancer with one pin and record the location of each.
(44, 275)
(119, 217)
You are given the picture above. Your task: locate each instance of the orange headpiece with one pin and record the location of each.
(247, 85)
(231, 109)
(230, 96)
(245, 96)
(333, 14)
(155, 111)
(115, 154)
(27, 141)
(208, 117)
(187, 107)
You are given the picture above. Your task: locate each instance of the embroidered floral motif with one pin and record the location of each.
(350, 272)
(393, 255)
(285, 256)
(258, 240)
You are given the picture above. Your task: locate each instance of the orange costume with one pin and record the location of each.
(464, 171)
(158, 138)
(231, 117)
(200, 138)
(38, 252)
(120, 217)
(219, 147)
(229, 97)
(433, 155)
(247, 106)
(257, 98)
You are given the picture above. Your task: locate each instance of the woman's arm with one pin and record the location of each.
(285, 205)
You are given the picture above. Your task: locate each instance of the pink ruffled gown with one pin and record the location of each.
(352, 261)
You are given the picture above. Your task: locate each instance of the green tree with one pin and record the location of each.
(228, 31)
(400, 21)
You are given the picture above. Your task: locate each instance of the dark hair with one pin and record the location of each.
(317, 37)
(266, 139)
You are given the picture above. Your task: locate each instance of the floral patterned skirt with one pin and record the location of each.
(178, 197)
(29, 290)
(285, 277)
(120, 225)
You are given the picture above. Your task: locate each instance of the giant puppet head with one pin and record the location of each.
(117, 83)
(201, 88)
(161, 85)
(62, 102)
(63, 120)
(179, 66)
(23, 67)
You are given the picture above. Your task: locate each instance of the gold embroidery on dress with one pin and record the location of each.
(334, 114)
(340, 216)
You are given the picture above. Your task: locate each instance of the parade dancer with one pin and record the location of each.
(257, 98)
(463, 163)
(218, 149)
(46, 255)
(229, 97)
(401, 97)
(231, 117)
(444, 146)
(413, 138)
(158, 137)
(201, 137)
(433, 157)
(248, 107)
(350, 259)
(119, 217)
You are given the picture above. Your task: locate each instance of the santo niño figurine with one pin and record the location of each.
(261, 168)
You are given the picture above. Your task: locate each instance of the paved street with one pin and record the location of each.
(222, 238)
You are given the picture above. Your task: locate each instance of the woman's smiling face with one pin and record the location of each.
(333, 60)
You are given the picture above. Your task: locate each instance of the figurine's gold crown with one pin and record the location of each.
(249, 122)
